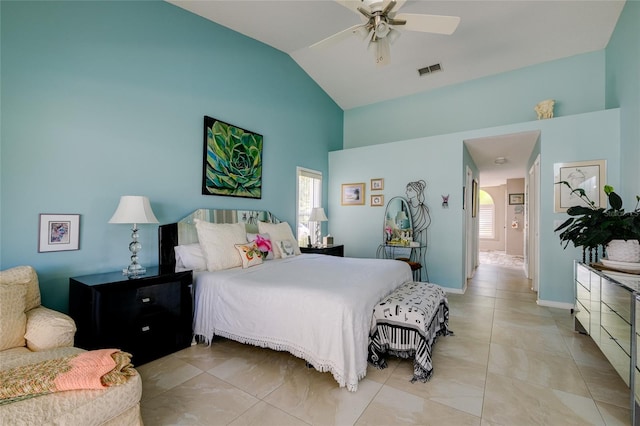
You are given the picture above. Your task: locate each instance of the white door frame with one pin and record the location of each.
(471, 252)
(533, 224)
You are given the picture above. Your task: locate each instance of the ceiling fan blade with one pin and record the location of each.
(437, 24)
(339, 36)
(352, 5)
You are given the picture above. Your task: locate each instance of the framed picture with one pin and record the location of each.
(377, 184)
(475, 196)
(59, 232)
(516, 198)
(232, 163)
(377, 200)
(588, 175)
(352, 194)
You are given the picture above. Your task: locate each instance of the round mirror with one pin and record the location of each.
(398, 228)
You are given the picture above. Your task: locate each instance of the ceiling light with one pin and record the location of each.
(500, 160)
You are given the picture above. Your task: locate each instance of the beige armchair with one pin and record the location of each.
(31, 333)
(25, 325)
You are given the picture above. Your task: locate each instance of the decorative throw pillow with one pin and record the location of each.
(263, 241)
(278, 232)
(218, 242)
(190, 257)
(13, 320)
(286, 248)
(250, 254)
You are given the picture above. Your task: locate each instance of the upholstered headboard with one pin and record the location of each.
(184, 231)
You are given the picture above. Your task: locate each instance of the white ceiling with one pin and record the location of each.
(493, 37)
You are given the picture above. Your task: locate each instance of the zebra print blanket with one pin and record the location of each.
(406, 324)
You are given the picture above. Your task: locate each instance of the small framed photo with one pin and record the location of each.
(377, 184)
(59, 232)
(516, 199)
(377, 200)
(352, 194)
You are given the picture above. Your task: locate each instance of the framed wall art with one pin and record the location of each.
(377, 200)
(516, 199)
(59, 232)
(232, 163)
(352, 194)
(377, 184)
(588, 175)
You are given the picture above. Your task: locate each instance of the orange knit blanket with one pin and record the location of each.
(87, 370)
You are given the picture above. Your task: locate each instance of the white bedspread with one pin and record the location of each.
(317, 307)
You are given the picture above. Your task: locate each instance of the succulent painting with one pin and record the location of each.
(233, 161)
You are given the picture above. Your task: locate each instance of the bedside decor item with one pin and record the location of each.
(352, 194)
(544, 109)
(585, 175)
(591, 226)
(377, 200)
(59, 232)
(134, 209)
(318, 216)
(232, 160)
(516, 199)
(377, 184)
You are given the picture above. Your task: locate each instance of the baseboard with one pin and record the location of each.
(455, 290)
(552, 304)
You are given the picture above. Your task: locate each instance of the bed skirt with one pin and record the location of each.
(406, 324)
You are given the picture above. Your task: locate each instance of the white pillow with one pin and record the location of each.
(286, 248)
(250, 254)
(218, 241)
(278, 232)
(264, 243)
(190, 257)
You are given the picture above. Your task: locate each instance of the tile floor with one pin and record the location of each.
(511, 362)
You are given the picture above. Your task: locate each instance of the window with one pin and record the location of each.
(309, 196)
(487, 213)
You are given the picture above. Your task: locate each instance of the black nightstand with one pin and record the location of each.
(148, 316)
(336, 250)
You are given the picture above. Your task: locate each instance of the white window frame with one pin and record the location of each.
(315, 202)
(492, 208)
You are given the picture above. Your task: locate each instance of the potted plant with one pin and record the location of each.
(591, 226)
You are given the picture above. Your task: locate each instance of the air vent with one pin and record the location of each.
(430, 69)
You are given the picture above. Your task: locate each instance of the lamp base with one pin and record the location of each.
(134, 270)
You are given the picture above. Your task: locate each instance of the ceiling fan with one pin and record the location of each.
(381, 19)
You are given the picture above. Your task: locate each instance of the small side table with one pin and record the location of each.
(149, 316)
(335, 250)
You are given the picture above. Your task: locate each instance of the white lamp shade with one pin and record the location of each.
(317, 215)
(401, 215)
(133, 209)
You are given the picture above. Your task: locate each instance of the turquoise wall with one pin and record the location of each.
(576, 83)
(623, 91)
(439, 161)
(360, 228)
(103, 99)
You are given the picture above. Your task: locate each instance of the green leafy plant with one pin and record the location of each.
(591, 226)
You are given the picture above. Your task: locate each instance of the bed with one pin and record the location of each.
(317, 307)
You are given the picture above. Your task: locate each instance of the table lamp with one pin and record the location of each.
(134, 209)
(317, 216)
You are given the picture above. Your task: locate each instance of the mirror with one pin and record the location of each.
(397, 228)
